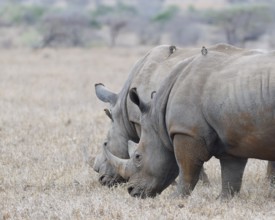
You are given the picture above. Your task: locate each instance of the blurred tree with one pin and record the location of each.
(238, 1)
(81, 3)
(271, 28)
(184, 27)
(97, 3)
(64, 29)
(114, 17)
(167, 14)
(16, 14)
(242, 23)
(146, 27)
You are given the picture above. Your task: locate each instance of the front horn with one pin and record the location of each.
(124, 167)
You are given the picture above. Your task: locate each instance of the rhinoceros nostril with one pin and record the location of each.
(136, 195)
(130, 189)
(133, 192)
(101, 180)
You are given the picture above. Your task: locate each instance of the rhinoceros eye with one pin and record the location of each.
(138, 157)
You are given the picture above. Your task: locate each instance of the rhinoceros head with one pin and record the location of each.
(152, 167)
(107, 173)
(116, 141)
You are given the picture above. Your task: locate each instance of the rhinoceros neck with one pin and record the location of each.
(129, 127)
(160, 103)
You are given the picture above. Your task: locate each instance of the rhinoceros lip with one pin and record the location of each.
(110, 181)
(140, 192)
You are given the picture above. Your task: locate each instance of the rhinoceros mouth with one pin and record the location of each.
(140, 193)
(111, 181)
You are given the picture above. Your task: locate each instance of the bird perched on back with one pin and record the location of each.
(172, 49)
(204, 51)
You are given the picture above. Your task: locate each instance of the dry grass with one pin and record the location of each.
(51, 125)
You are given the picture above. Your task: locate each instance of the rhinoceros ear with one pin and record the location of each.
(153, 94)
(136, 99)
(104, 94)
(132, 146)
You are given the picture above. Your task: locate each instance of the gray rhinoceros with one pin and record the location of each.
(146, 76)
(218, 104)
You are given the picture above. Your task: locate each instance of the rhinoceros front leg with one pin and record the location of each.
(232, 169)
(190, 154)
(204, 178)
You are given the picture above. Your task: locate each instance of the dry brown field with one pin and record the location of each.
(51, 128)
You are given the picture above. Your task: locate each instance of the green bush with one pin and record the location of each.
(31, 37)
(241, 22)
(166, 15)
(15, 14)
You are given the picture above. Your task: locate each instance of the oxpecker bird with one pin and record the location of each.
(204, 51)
(172, 49)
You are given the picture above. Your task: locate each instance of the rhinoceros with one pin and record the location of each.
(218, 104)
(146, 76)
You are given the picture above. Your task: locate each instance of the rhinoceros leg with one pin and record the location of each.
(232, 169)
(271, 172)
(190, 155)
(204, 178)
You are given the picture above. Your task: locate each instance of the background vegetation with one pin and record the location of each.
(87, 23)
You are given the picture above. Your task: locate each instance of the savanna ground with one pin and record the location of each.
(51, 128)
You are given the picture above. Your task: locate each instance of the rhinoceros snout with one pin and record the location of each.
(102, 180)
(110, 181)
(107, 181)
(130, 189)
(96, 165)
(96, 168)
(134, 193)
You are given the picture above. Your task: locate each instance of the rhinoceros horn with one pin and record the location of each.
(124, 167)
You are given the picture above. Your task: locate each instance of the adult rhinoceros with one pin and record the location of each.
(213, 105)
(146, 76)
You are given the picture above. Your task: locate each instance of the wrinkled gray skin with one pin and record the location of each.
(146, 76)
(221, 105)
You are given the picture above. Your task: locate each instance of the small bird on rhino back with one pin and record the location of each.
(172, 50)
(204, 51)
